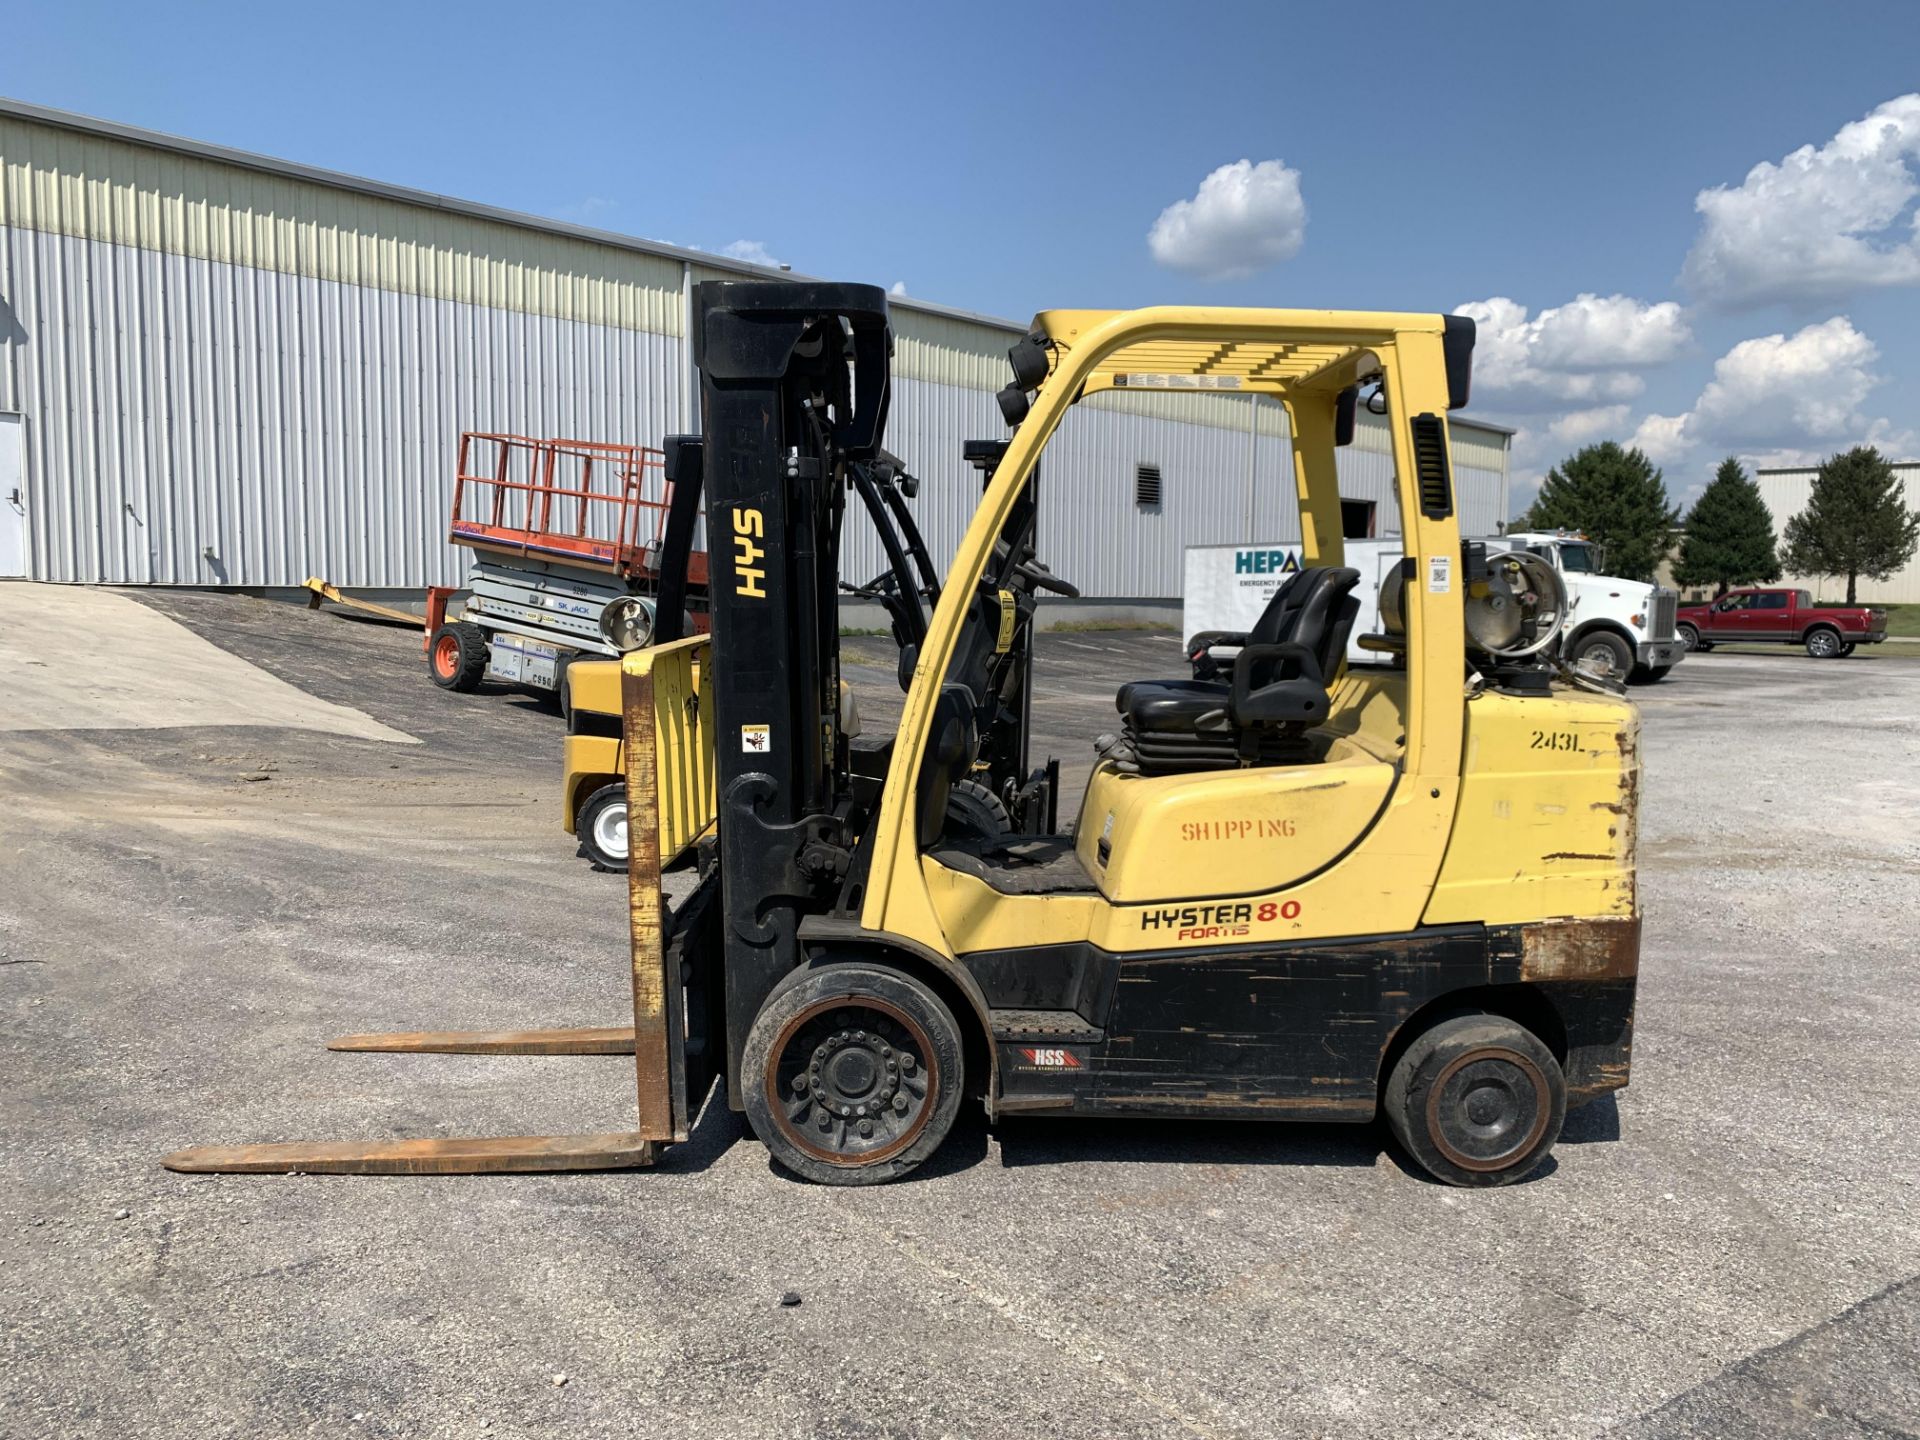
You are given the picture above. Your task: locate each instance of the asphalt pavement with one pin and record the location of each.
(187, 912)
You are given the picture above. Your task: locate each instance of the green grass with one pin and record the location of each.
(1903, 620)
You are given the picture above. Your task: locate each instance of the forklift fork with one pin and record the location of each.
(661, 713)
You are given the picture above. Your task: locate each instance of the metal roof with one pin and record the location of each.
(335, 179)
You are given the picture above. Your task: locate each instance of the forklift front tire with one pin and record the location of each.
(457, 656)
(602, 828)
(1477, 1100)
(853, 1073)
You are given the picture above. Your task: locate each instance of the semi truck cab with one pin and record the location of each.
(1624, 628)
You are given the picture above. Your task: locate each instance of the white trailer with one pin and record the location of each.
(1622, 627)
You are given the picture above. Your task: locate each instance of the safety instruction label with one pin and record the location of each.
(1439, 573)
(756, 739)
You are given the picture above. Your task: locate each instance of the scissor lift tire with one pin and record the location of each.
(457, 657)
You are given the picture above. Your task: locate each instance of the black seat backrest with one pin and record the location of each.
(1318, 626)
(1283, 608)
(1326, 629)
(1303, 617)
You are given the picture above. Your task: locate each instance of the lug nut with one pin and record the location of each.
(900, 1103)
(866, 1128)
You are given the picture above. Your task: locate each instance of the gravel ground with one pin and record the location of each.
(1730, 1249)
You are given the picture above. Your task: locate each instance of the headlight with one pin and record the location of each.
(627, 623)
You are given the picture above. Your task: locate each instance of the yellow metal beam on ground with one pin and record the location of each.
(323, 591)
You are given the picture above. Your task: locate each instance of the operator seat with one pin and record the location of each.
(1274, 625)
(1280, 689)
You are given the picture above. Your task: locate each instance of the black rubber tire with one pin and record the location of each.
(974, 811)
(1508, 1068)
(594, 813)
(1619, 653)
(1651, 674)
(832, 1000)
(1689, 636)
(561, 693)
(1848, 648)
(1823, 642)
(457, 656)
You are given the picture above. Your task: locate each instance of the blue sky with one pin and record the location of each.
(1508, 158)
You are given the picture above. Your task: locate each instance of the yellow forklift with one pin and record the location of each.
(1304, 890)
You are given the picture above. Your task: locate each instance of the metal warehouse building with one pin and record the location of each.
(218, 369)
(1787, 491)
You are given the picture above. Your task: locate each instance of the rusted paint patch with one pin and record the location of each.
(646, 912)
(1596, 949)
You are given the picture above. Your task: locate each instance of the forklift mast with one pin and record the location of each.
(793, 389)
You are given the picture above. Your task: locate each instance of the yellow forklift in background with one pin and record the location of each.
(1304, 891)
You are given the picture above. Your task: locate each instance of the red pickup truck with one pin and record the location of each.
(1788, 616)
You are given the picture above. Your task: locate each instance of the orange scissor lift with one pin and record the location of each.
(566, 538)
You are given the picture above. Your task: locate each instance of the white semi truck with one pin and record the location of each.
(1623, 628)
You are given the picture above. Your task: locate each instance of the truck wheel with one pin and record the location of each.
(602, 828)
(1690, 637)
(1477, 1100)
(457, 657)
(1823, 643)
(1848, 648)
(1652, 674)
(852, 1073)
(1605, 652)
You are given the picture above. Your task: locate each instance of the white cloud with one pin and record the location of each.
(1585, 352)
(1662, 438)
(899, 289)
(1820, 225)
(1583, 427)
(1789, 389)
(1781, 399)
(751, 251)
(1243, 219)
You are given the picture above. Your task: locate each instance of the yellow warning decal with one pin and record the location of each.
(1009, 617)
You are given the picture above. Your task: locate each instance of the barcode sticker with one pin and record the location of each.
(1439, 574)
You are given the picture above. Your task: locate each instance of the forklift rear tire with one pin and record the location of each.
(1477, 1100)
(602, 828)
(853, 1073)
(457, 657)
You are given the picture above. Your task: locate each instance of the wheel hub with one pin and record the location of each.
(1488, 1108)
(850, 1085)
(610, 831)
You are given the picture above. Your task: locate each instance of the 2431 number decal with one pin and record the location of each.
(1555, 740)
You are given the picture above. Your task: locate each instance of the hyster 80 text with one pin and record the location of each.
(1217, 922)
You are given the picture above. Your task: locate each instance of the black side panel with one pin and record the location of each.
(1456, 342)
(1079, 978)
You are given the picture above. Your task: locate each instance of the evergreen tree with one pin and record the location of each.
(1856, 522)
(1729, 539)
(1614, 496)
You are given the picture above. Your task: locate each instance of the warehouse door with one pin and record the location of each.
(13, 497)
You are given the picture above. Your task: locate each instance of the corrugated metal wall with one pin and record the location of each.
(239, 378)
(1787, 492)
(198, 423)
